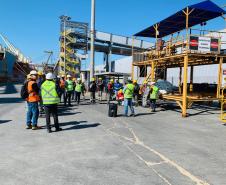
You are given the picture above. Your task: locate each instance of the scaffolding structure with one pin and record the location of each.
(70, 61)
(173, 49)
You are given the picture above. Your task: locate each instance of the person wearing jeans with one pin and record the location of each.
(32, 114)
(128, 98)
(32, 102)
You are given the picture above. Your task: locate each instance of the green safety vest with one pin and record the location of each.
(70, 85)
(154, 94)
(128, 93)
(78, 87)
(49, 93)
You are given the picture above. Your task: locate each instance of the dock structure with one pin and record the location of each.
(178, 45)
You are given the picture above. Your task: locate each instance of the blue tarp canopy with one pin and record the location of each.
(201, 13)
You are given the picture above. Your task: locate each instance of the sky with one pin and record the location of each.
(33, 25)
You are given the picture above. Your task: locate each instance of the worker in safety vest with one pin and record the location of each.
(128, 98)
(62, 89)
(73, 96)
(69, 85)
(92, 89)
(100, 88)
(136, 94)
(110, 90)
(50, 100)
(32, 102)
(78, 91)
(154, 91)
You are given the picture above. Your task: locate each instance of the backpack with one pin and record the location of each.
(24, 91)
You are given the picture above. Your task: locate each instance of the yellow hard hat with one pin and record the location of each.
(74, 79)
(40, 73)
(145, 82)
(120, 90)
(111, 80)
(134, 81)
(62, 76)
(92, 79)
(100, 78)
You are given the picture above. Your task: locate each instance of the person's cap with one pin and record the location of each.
(28, 76)
(33, 72)
(50, 76)
(68, 76)
(40, 73)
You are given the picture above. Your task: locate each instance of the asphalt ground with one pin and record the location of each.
(152, 148)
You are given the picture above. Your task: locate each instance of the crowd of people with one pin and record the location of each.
(44, 92)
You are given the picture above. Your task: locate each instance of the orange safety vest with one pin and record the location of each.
(62, 84)
(33, 96)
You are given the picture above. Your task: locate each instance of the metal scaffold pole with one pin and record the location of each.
(92, 35)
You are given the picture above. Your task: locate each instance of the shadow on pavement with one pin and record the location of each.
(72, 123)
(9, 89)
(4, 121)
(64, 113)
(10, 100)
(75, 127)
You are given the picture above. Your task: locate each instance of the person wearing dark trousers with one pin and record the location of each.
(92, 89)
(62, 89)
(50, 99)
(78, 90)
(153, 96)
(69, 85)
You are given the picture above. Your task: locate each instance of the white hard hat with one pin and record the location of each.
(129, 78)
(33, 72)
(50, 76)
(152, 83)
(78, 79)
(68, 76)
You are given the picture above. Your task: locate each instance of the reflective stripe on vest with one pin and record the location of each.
(128, 94)
(70, 86)
(78, 88)
(49, 93)
(154, 94)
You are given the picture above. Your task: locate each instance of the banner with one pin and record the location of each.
(204, 44)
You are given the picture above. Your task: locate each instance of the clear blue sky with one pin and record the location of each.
(33, 25)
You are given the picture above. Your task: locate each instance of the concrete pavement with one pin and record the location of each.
(160, 148)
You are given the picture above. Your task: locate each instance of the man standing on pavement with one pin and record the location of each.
(69, 85)
(110, 88)
(62, 89)
(128, 98)
(40, 81)
(92, 89)
(78, 90)
(32, 102)
(136, 92)
(50, 100)
(153, 96)
(100, 88)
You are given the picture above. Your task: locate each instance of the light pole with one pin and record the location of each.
(92, 36)
(64, 19)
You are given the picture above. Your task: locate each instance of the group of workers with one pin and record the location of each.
(45, 92)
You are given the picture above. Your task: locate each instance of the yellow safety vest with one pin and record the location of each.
(49, 93)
